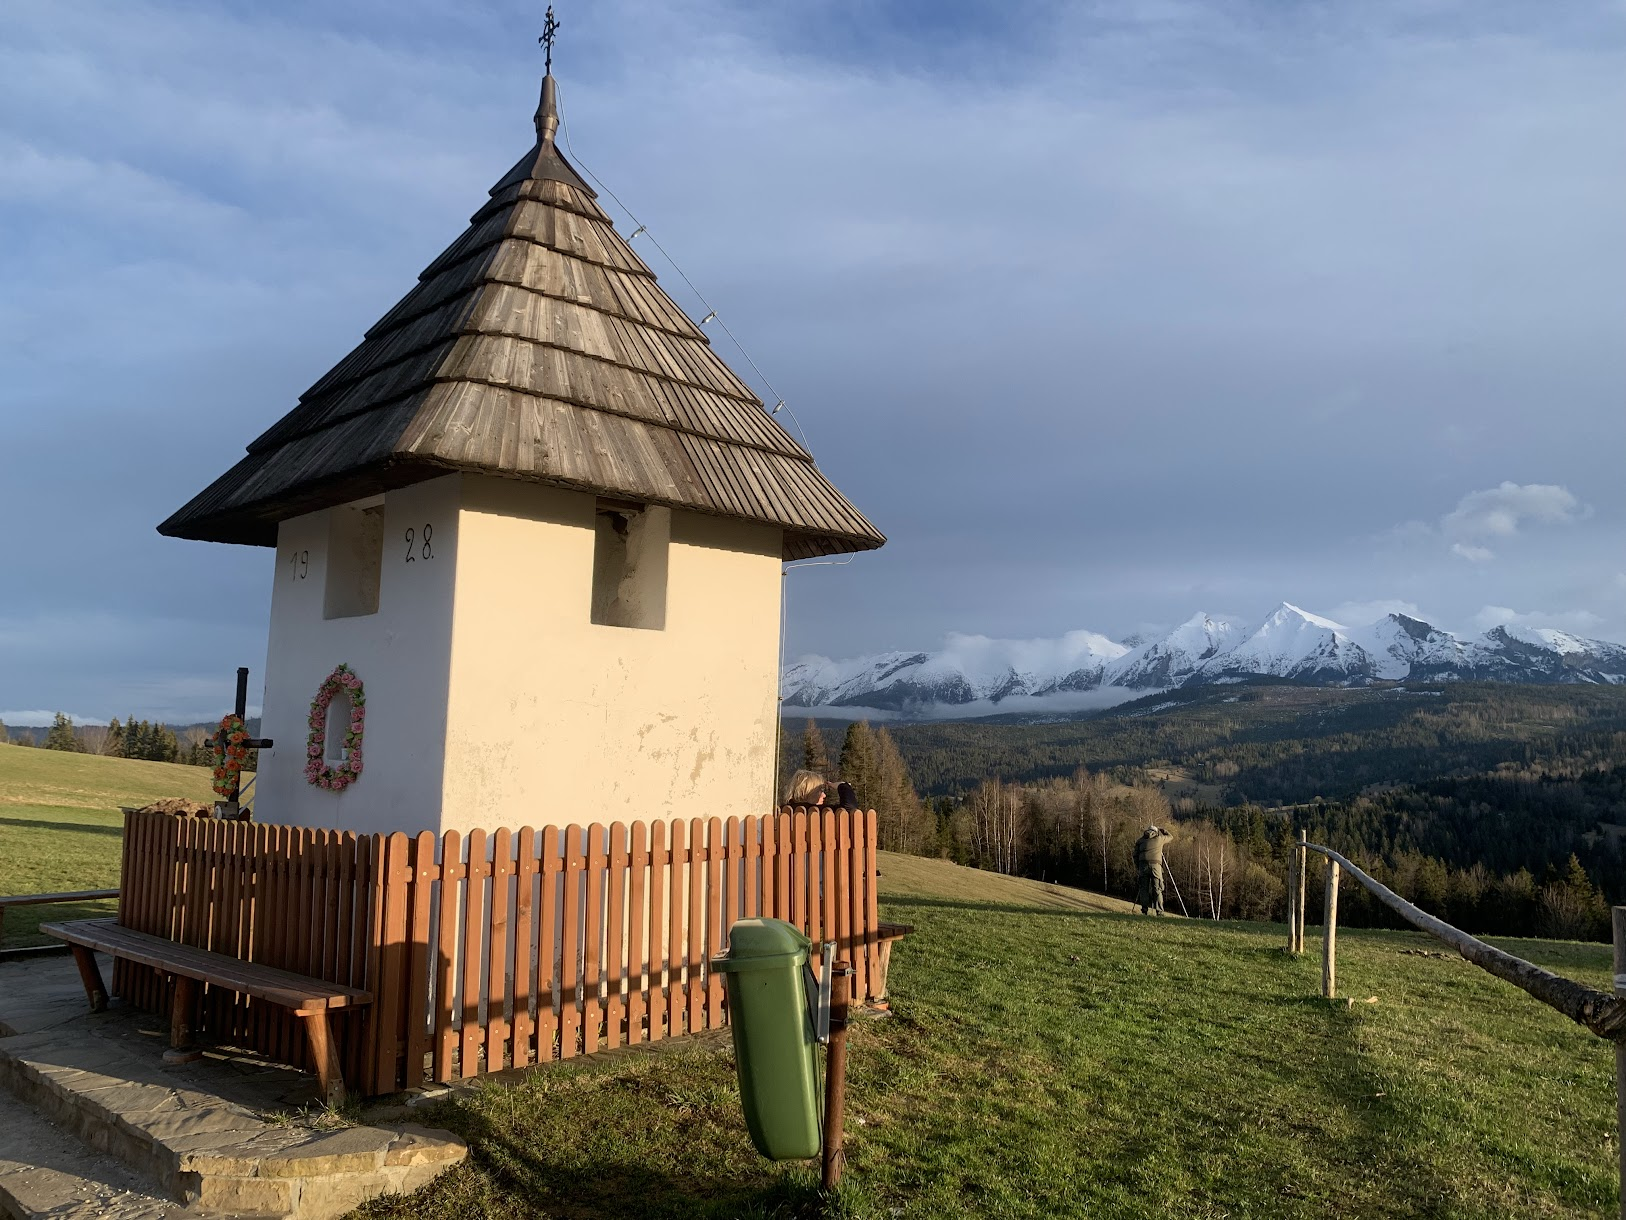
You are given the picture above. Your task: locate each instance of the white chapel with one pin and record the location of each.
(529, 536)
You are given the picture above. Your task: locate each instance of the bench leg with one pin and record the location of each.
(329, 1075)
(181, 1049)
(91, 977)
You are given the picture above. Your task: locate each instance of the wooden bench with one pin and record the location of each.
(307, 998)
(888, 934)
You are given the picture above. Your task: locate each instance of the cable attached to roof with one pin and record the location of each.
(711, 312)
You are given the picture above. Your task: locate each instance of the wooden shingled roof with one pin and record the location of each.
(538, 346)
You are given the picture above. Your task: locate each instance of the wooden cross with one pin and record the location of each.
(229, 807)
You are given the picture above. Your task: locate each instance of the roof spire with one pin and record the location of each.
(547, 112)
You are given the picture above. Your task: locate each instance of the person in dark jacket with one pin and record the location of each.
(1149, 869)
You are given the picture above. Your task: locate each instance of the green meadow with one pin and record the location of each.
(1048, 1055)
(1045, 1062)
(60, 825)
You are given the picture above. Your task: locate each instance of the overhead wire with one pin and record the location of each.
(711, 315)
(711, 312)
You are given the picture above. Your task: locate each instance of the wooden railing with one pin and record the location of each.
(500, 949)
(1603, 1014)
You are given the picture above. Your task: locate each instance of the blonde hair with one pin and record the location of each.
(805, 788)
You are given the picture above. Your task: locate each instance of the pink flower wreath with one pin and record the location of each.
(340, 777)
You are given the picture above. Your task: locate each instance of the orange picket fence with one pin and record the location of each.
(496, 950)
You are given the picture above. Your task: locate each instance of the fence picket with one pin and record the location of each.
(852, 834)
(542, 945)
(817, 924)
(452, 873)
(592, 940)
(420, 911)
(474, 907)
(570, 884)
(655, 953)
(525, 870)
(693, 981)
(639, 982)
(388, 1004)
(872, 914)
(716, 860)
(497, 932)
(676, 905)
(547, 950)
(614, 934)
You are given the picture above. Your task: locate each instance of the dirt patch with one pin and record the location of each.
(179, 806)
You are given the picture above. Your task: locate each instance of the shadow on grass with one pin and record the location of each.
(73, 827)
(1387, 1125)
(22, 923)
(532, 1179)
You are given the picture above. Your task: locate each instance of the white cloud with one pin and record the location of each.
(1474, 554)
(1578, 621)
(35, 718)
(1498, 512)
(1359, 614)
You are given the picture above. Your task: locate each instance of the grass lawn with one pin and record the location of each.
(1050, 1055)
(60, 825)
(1050, 1062)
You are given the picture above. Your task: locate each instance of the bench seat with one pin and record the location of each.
(308, 998)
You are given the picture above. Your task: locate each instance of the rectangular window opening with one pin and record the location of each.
(630, 545)
(355, 557)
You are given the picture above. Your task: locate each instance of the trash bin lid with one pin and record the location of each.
(763, 944)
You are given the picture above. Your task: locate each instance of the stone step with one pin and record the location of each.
(45, 1172)
(206, 1138)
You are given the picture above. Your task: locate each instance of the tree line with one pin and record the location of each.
(154, 741)
(1526, 849)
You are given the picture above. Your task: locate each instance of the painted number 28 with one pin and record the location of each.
(420, 548)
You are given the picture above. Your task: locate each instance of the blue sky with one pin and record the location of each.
(1104, 313)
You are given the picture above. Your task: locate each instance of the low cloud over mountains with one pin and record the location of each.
(1290, 643)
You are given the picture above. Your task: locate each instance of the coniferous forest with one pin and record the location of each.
(1499, 808)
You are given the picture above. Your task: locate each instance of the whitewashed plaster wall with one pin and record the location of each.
(555, 719)
(401, 652)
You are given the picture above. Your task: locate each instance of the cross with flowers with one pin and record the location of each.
(231, 746)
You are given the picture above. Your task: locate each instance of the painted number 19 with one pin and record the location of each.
(420, 548)
(299, 564)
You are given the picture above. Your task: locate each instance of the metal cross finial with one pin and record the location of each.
(550, 27)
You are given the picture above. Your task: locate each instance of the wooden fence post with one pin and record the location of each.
(1292, 913)
(1299, 896)
(1620, 1054)
(1329, 936)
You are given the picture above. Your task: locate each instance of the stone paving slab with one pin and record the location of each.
(47, 1172)
(226, 1135)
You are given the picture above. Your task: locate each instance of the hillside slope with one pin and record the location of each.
(60, 824)
(918, 877)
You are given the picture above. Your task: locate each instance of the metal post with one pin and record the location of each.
(1329, 935)
(835, 1076)
(1170, 869)
(1620, 1053)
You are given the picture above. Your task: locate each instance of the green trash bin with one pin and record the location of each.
(775, 1050)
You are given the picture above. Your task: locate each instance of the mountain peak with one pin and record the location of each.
(1291, 643)
(1287, 612)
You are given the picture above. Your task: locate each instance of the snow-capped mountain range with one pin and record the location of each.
(1291, 643)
